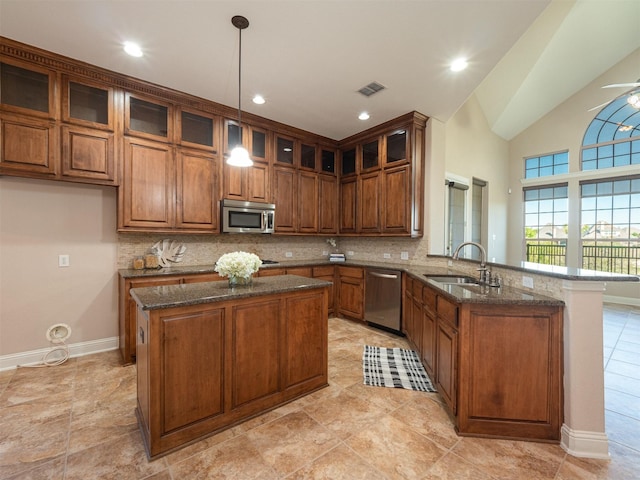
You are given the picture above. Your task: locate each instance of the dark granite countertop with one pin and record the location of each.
(168, 296)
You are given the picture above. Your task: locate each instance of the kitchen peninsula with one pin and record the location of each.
(209, 356)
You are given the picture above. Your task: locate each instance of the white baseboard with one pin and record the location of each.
(33, 357)
(580, 443)
(621, 300)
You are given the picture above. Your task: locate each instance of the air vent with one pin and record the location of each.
(373, 87)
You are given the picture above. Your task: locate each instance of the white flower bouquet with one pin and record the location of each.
(238, 265)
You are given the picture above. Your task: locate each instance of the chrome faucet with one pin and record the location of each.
(483, 258)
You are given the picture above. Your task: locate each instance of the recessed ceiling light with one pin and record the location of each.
(258, 99)
(459, 64)
(133, 49)
(364, 116)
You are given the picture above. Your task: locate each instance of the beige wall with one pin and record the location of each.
(38, 221)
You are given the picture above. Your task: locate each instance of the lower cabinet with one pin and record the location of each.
(350, 292)
(498, 367)
(127, 306)
(203, 368)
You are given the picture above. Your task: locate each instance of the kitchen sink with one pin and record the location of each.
(453, 279)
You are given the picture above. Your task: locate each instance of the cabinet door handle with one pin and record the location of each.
(141, 335)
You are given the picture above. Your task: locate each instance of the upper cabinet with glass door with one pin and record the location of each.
(27, 89)
(328, 161)
(308, 160)
(285, 151)
(197, 129)
(148, 118)
(87, 103)
(371, 155)
(254, 139)
(396, 147)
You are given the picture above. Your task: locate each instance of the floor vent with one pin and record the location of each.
(373, 87)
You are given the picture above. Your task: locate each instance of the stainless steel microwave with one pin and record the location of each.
(247, 217)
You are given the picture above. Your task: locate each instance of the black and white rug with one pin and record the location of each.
(394, 368)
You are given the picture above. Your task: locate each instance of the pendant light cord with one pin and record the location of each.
(240, 85)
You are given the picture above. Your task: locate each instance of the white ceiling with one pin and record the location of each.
(308, 58)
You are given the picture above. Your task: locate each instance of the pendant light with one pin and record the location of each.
(239, 156)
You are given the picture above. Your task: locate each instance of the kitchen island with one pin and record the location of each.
(210, 357)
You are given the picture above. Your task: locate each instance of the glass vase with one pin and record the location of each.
(235, 281)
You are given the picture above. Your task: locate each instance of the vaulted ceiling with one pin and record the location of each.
(308, 58)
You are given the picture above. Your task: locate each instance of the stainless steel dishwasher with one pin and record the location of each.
(383, 297)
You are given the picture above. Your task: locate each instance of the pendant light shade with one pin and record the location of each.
(239, 156)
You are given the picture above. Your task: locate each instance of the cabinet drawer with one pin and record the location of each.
(429, 299)
(300, 271)
(447, 310)
(270, 272)
(323, 271)
(202, 277)
(156, 282)
(351, 272)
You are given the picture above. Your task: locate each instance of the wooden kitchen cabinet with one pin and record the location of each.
(328, 213)
(369, 201)
(148, 118)
(429, 331)
(127, 311)
(388, 161)
(327, 273)
(465, 348)
(88, 154)
(348, 204)
(168, 190)
(447, 364)
(147, 195)
(127, 306)
(207, 367)
(29, 146)
(524, 400)
(350, 292)
(196, 191)
(196, 129)
(285, 199)
(250, 183)
(396, 198)
(307, 202)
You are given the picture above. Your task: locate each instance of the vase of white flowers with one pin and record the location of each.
(238, 267)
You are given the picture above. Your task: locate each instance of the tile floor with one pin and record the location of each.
(76, 421)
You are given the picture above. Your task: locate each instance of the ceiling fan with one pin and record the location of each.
(618, 85)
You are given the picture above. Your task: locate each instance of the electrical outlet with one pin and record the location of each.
(288, 254)
(450, 263)
(350, 253)
(63, 261)
(386, 255)
(527, 282)
(404, 255)
(324, 253)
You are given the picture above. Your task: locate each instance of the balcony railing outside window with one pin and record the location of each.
(614, 258)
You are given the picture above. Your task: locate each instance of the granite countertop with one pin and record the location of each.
(458, 293)
(168, 296)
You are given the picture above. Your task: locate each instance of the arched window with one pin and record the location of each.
(613, 137)
(610, 206)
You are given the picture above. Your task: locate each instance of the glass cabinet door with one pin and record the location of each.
(308, 156)
(25, 88)
(328, 161)
(258, 144)
(370, 155)
(233, 135)
(349, 161)
(396, 146)
(148, 118)
(284, 151)
(197, 130)
(87, 104)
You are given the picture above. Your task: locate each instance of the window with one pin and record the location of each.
(610, 225)
(609, 140)
(546, 165)
(546, 224)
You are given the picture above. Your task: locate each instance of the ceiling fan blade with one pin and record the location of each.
(597, 107)
(623, 85)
